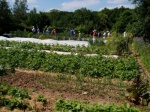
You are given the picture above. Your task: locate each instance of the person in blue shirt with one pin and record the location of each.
(47, 31)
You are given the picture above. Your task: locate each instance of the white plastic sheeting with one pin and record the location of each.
(51, 41)
(48, 41)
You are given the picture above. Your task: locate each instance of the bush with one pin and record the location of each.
(138, 88)
(118, 44)
(41, 36)
(30, 35)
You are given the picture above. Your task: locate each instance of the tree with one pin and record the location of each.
(33, 17)
(143, 13)
(5, 17)
(82, 15)
(112, 16)
(125, 18)
(102, 21)
(43, 20)
(20, 12)
(83, 20)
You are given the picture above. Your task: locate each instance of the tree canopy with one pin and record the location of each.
(117, 19)
(143, 18)
(5, 17)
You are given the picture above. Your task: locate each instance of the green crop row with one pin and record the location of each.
(96, 66)
(57, 47)
(16, 97)
(14, 92)
(75, 106)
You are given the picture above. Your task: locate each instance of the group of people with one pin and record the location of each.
(98, 34)
(34, 30)
(53, 31)
(73, 33)
(47, 31)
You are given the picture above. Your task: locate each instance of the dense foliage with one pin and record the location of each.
(143, 18)
(101, 49)
(138, 90)
(143, 49)
(81, 19)
(84, 20)
(98, 66)
(16, 99)
(75, 106)
(5, 16)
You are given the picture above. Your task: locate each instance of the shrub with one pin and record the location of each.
(138, 88)
(118, 44)
(30, 35)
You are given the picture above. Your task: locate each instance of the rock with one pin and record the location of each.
(85, 93)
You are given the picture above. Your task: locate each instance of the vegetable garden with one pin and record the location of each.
(76, 73)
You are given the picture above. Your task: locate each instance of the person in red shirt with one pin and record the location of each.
(94, 35)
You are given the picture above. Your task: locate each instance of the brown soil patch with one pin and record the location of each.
(61, 86)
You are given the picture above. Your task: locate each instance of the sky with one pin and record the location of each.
(72, 5)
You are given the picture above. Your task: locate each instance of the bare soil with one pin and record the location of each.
(63, 86)
(56, 86)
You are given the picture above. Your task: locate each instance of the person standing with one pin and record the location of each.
(108, 34)
(47, 31)
(104, 35)
(79, 35)
(33, 30)
(53, 32)
(38, 30)
(99, 34)
(72, 33)
(94, 35)
(124, 34)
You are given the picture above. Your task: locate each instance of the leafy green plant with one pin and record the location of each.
(16, 99)
(41, 36)
(138, 88)
(76, 106)
(143, 50)
(36, 46)
(2, 71)
(41, 98)
(4, 89)
(30, 34)
(118, 44)
(11, 104)
(5, 69)
(18, 93)
(14, 92)
(96, 66)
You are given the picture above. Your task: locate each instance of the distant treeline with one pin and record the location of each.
(19, 17)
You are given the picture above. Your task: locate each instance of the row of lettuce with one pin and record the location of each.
(143, 49)
(95, 66)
